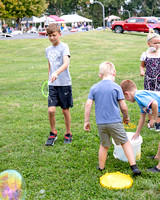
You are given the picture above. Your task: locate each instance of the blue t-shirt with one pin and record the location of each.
(106, 95)
(55, 56)
(145, 98)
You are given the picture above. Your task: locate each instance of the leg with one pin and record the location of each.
(127, 148)
(102, 156)
(67, 118)
(158, 153)
(158, 166)
(52, 118)
(130, 156)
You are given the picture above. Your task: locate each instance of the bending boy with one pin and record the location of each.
(149, 103)
(107, 96)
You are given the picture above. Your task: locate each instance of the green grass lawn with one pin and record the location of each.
(68, 171)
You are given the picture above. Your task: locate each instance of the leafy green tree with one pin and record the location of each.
(144, 7)
(17, 9)
(95, 10)
(59, 7)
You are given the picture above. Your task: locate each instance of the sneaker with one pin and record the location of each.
(51, 139)
(153, 169)
(68, 138)
(157, 125)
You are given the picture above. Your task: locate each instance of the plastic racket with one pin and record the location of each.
(45, 90)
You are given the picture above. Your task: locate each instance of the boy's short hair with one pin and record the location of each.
(53, 28)
(106, 68)
(128, 85)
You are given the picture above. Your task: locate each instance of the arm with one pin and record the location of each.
(124, 110)
(140, 126)
(88, 107)
(154, 106)
(61, 69)
(142, 67)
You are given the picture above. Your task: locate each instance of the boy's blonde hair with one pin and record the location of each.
(53, 28)
(106, 68)
(128, 85)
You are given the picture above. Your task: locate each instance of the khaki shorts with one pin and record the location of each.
(114, 130)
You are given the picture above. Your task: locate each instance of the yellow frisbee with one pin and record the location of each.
(116, 180)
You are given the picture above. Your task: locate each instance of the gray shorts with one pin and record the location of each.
(114, 130)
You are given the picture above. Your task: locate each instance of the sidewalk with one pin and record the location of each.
(31, 36)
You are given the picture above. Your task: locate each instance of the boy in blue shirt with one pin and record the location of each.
(149, 103)
(60, 90)
(108, 97)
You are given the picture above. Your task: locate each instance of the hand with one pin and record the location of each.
(87, 126)
(53, 77)
(152, 122)
(135, 136)
(142, 73)
(126, 120)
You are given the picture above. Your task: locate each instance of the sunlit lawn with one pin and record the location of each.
(68, 171)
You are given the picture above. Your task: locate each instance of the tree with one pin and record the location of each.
(95, 10)
(17, 9)
(59, 7)
(144, 7)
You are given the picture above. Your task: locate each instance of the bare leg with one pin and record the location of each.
(52, 119)
(102, 156)
(158, 153)
(158, 166)
(127, 148)
(67, 118)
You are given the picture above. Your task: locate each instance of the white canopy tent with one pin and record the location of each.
(36, 19)
(112, 17)
(74, 18)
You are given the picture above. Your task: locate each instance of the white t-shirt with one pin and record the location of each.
(149, 55)
(55, 56)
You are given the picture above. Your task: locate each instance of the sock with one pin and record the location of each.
(51, 133)
(135, 170)
(100, 169)
(133, 167)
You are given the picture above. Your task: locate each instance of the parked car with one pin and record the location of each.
(139, 24)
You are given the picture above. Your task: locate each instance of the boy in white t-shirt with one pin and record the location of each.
(60, 89)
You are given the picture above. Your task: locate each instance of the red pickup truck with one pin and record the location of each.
(139, 24)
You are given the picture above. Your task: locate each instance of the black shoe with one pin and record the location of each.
(51, 139)
(157, 125)
(136, 172)
(153, 170)
(153, 157)
(68, 138)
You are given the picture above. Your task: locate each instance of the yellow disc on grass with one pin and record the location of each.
(116, 180)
